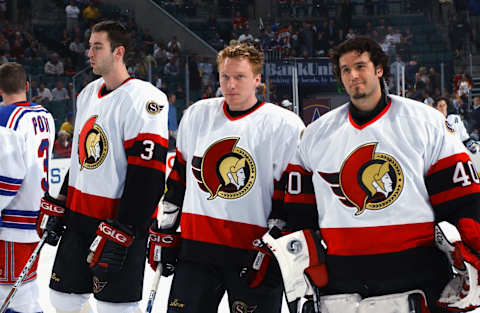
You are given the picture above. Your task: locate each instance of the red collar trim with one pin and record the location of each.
(22, 103)
(105, 85)
(234, 118)
(376, 118)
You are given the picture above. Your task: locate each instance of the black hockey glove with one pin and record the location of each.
(109, 249)
(163, 247)
(51, 219)
(261, 267)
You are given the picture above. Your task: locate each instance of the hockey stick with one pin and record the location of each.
(23, 274)
(153, 292)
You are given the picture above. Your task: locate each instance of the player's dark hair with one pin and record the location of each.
(435, 104)
(361, 44)
(117, 34)
(12, 78)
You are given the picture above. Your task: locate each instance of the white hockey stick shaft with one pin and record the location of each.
(23, 274)
(153, 292)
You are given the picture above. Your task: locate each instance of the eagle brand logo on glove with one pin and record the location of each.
(113, 234)
(294, 246)
(51, 208)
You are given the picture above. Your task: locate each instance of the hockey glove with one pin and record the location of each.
(261, 268)
(109, 249)
(163, 247)
(301, 257)
(164, 241)
(51, 219)
(462, 293)
(472, 146)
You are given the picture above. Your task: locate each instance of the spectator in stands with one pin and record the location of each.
(62, 147)
(239, 22)
(245, 36)
(350, 34)
(174, 46)
(157, 81)
(69, 68)
(171, 69)
(54, 66)
(381, 27)
(446, 7)
(91, 13)
(194, 78)
(218, 43)
(18, 49)
(72, 11)
(474, 10)
(346, 12)
(3, 56)
(147, 41)
(59, 93)
(321, 45)
(208, 93)
(3, 9)
(396, 68)
(474, 119)
(411, 70)
(427, 99)
(434, 79)
(205, 68)
(77, 49)
(212, 23)
(43, 94)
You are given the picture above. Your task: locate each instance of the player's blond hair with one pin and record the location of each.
(242, 50)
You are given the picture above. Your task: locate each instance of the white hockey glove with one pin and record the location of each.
(164, 241)
(462, 293)
(301, 257)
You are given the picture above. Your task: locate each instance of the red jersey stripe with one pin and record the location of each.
(277, 195)
(300, 198)
(221, 232)
(175, 176)
(448, 162)
(14, 117)
(146, 136)
(297, 168)
(180, 157)
(10, 187)
(378, 239)
(454, 193)
(146, 163)
(19, 219)
(91, 205)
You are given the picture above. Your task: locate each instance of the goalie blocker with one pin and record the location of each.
(301, 256)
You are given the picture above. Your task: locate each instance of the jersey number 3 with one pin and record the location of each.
(43, 153)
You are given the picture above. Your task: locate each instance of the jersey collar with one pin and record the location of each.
(102, 92)
(372, 120)
(245, 113)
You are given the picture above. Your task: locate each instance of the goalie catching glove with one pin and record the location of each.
(462, 293)
(51, 219)
(164, 241)
(301, 257)
(109, 249)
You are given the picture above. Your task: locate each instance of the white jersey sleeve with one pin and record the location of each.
(12, 165)
(457, 124)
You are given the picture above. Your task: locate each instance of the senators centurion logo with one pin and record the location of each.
(367, 180)
(92, 145)
(225, 170)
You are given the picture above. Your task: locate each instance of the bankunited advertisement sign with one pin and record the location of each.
(317, 72)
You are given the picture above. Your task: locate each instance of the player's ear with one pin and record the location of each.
(379, 71)
(119, 51)
(27, 86)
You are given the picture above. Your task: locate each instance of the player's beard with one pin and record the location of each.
(358, 94)
(103, 67)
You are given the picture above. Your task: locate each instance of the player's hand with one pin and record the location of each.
(110, 247)
(163, 247)
(51, 219)
(261, 267)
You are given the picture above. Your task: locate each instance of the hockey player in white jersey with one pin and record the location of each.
(116, 179)
(231, 154)
(375, 175)
(27, 134)
(455, 121)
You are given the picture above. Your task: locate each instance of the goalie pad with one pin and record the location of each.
(301, 257)
(407, 302)
(462, 293)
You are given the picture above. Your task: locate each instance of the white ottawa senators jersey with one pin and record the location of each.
(456, 123)
(27, 137)
(379, 187)
(225, 171)
(125, 127)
